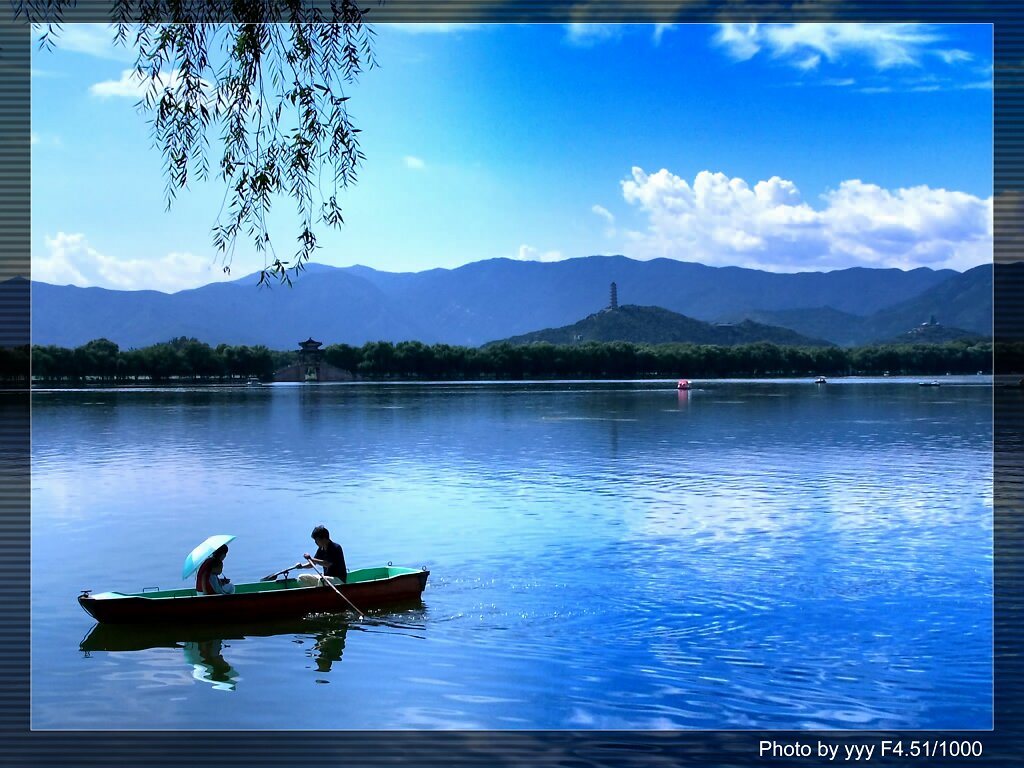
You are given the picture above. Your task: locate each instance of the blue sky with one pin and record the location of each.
(781, 147)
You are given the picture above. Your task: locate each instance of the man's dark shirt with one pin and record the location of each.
(334, 555)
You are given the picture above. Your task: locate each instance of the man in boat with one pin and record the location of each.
(209, 580)
(329, 556)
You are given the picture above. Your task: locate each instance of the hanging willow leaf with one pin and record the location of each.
(267, 79)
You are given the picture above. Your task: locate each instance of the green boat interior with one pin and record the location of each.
(361, 575)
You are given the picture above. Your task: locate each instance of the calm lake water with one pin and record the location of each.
(747, 555)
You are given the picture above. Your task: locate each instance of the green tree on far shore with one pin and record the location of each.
(193, 360)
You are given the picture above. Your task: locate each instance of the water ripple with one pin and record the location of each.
(601, 556)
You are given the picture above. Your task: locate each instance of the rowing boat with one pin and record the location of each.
(259, 601)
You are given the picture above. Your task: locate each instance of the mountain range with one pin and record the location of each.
(501, 298)
(963, 302)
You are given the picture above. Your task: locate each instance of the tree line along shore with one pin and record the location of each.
(189, 360)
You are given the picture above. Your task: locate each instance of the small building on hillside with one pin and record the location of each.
(311, 366)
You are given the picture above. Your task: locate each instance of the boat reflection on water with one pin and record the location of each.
(204, 646)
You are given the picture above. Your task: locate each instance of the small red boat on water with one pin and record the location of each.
(683, 384)
(263, 600)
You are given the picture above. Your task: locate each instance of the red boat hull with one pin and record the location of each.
(285, 602)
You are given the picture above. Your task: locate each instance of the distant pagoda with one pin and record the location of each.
(613, 302)
(311, 356)
(310, 366)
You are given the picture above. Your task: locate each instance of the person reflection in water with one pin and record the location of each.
(209, 665)
(329, 647)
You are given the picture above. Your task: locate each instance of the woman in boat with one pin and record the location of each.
(209, 580)
(329, 556)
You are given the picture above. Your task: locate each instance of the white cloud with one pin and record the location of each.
(414, 163)
(919, 226)
(605, 214)
(529, 253)
(660, 30)
(129, 86)
(738, 40)
(437, 28)
(70, 259)
(805, 45)
(45, 139)
(981, 77)
(583, 34)
(838, 82)
(133, 86)
(811, 62)
(723, 221)
(953, 56)
(91, 39)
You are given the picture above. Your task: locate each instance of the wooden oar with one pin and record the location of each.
(273, 576)
(331, 585)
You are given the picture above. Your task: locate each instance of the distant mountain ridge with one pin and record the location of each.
(963, 302)
(654, 325)
(495, 299)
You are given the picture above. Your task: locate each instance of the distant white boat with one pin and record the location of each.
(821, 380)
(929, 383)
(253, 383)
